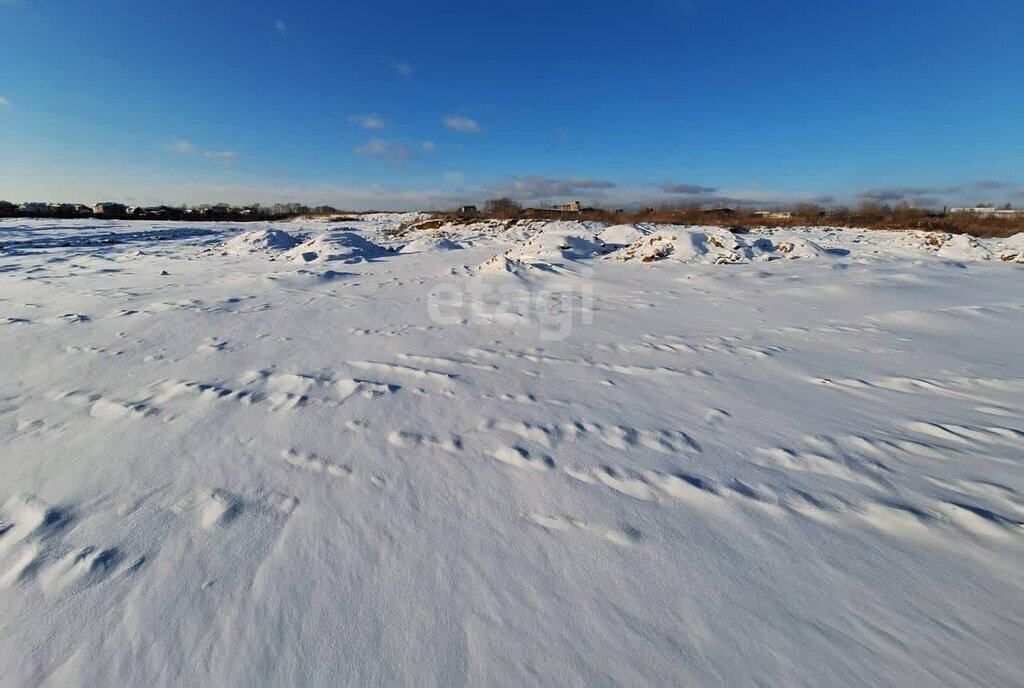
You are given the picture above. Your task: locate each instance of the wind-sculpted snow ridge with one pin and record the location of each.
(722, 467)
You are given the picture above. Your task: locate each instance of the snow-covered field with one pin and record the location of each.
(509, 455)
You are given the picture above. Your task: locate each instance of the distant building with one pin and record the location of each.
(987, 210)
(108, 209)
(35, 208)
(774, 214)
(574, 207)
(467, 209)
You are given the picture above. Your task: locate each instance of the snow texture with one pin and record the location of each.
(290, 454)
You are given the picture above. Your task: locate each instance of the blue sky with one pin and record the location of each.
(401, 104)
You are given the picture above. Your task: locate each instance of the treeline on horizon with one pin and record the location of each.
(869, 215)
(220, 212)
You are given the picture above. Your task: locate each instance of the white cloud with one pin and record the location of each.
(4, 102)
(428, 146)
(224, 156)
(403, 68)
(280, 26)
(368, 122)
(372, 147)
(463, 124)
(182, 147)
(536, 187)
(379, 148)
(687, 189)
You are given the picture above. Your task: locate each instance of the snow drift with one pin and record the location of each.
(259, 241)
(342, 246)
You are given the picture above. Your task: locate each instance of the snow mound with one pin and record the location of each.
(347, 247)
(429, 244)
(798, 248)
(259, 241)
(621, 235)
(501, 264)
(963, 247)
(689, 246)
(715, 246)
(551, 246)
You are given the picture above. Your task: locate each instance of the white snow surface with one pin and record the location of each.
(229, 462)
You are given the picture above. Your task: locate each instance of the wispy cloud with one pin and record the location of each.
(280, 26)
(401, 67)
(379, 148)
(187, 148)
(182, 147)
(428, 146)
(535, 187)
(368, 122)
(4, 102)
(463, 124)
(687, 189)
(991, 185)
(899, 193)
(224, 156)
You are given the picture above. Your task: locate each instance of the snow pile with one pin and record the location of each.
(715, 246)
(798, 248)
(430, 243)
(344, 246)
(259, 241)
(501, 263)
(710, 245)
(622, 235)
(1012, 249)
(963, 247)
(551, 246)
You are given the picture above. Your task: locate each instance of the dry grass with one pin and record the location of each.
(868, 216)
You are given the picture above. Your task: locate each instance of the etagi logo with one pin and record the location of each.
(551, 306)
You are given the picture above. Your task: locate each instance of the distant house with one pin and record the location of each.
(987, 210)
(35, 208)
(467, 210)
(774, 214)
(574, 207)
(108, 209)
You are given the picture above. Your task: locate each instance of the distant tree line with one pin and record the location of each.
(218, 211)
